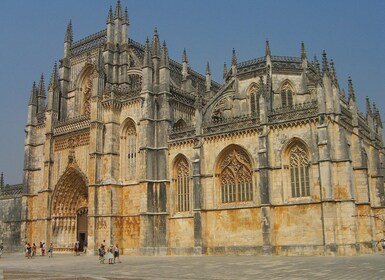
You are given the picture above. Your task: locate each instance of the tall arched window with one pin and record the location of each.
(254, 102)
(299, 171)
(182, 183)
(129, 150)
(236, 177)
(287, 95)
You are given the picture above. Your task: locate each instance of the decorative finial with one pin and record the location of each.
(118, 10)
(41, 88)
(69, 34)
(147, 54)
(164, 56)
(184, 56)
(54, 77)
(208, 72)
(303, 51)
(267, 49)
(110, 16)
(2, 180)
(125, 18)
(351, 90)
(155, 44)
(224, 70)
(234, 58)
(316, 65)
(368, 107)
(325, 64)
(33, 98)
(333, 72)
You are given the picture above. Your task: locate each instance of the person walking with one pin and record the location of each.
(34, 249)
(101, 253)
(50, 250)
(43, 249)
(116, 252)
(29, 251)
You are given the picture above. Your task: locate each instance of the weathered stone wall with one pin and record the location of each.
(11, 223)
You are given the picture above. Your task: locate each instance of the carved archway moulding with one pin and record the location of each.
(70, 193)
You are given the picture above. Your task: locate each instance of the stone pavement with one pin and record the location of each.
(61, 267)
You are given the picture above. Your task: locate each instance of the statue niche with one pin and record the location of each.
(86, 94)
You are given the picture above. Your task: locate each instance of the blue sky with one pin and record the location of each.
(32, 33)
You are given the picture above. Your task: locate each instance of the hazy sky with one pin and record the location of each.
(32, 34)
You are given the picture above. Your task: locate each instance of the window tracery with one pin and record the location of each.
(236, 178)
(299, 171)
(254, 102)
(182, 186)
(287, 94)
(129, 150)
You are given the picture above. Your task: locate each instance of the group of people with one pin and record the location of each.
(31, 250)
(111, 254)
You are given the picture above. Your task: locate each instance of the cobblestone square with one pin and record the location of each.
(60, 267)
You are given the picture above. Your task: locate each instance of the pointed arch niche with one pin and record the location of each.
(69, 197)
(287, 94)
(252, 91)
(182, 184)
(234, 176)
(84, 92)
(297, 165)
(128, 149)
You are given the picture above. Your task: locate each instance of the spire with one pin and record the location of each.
(41, 95)
(110, 16)
(125, 18)
(234, 58)
(2, 180)
(267, 49)
(325, 64)
(41, 88)
(208, 72)
(164, 63)
(184, 56)
(147, 54)
(224, 70)
(368, 107)
(33, 98)
(54, 77)
(303, 51)
(351, 90)
(316, 65)
(118, 10)
(333, 72)
(69, 34)
(155, 47)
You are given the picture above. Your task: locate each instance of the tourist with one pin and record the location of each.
(76, 248)
(116, 252)
(101, 253)
(41, 246)
(110, 255)
(29, 251)
(33, 249)
(43, 249)
(85, 247)
(50, 250)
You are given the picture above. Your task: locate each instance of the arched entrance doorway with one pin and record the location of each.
(69, 209)
(82, 227)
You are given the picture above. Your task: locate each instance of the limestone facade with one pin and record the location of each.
(134, 148)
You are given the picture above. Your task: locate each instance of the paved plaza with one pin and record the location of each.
(60, 267)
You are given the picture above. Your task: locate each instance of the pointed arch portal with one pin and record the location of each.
(69, 209)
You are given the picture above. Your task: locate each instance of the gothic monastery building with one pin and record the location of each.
(129, 146)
